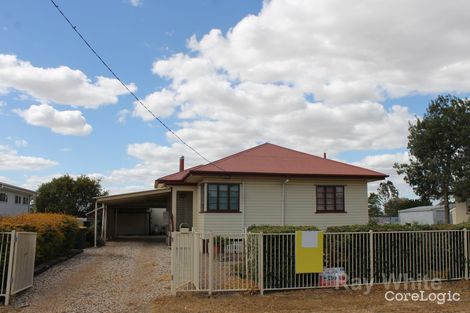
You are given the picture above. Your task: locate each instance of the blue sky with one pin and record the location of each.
(282, 72)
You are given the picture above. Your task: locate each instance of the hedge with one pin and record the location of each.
(395, 227)
(56, 233)
(271, 229)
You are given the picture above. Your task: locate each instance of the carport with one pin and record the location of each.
(131, 214)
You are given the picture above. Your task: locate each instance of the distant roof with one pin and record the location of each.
(426, 208)
(13, 187)
(269, 160)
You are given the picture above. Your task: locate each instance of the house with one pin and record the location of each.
(432, 214)
(461, 212)
(267, 184)
(15, 200)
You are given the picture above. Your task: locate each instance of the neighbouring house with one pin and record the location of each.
(15, 200)
(267, 184)
(461, 212)
(431, 214)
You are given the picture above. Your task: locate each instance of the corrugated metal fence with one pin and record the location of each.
(231, 262)
(17, 256)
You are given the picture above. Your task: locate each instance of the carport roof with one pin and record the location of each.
(139, 199)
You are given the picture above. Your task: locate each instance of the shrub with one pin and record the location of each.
(56, 233)
(90, 236)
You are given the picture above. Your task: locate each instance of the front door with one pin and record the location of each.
(184, 209)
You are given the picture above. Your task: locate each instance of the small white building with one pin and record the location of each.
(461, 212)
(433, 214)
(15, 200)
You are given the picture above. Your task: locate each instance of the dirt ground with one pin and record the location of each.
(123, 276)
(318, 300)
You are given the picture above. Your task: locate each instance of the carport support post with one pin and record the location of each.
(102, 221)
(96, 220)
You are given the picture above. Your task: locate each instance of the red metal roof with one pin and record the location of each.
(269, 159)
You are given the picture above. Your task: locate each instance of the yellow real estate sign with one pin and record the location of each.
(308, 252)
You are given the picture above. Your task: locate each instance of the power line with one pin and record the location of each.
(127, 88)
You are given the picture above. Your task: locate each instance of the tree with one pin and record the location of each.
(393, 206)
(68, 195)
(374, 205)
(439, 149)
(377, 200)
(386, 192)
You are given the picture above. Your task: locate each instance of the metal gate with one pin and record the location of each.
(215, 262)
(17, 256)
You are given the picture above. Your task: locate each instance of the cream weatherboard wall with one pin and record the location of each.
(262, 201)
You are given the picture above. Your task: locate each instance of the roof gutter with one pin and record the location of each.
(298, 175)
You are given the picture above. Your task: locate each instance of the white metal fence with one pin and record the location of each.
(17, 256)
(256, 261)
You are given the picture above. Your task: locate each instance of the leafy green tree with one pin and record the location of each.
(68, 195)
(386, 192)
(439, 149)
(393, 206)
(374, 205)
(376, 201)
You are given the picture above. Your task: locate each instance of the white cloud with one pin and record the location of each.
(60, 84)
(256, 82)
(384, 163)
(136, 3)
(162, 103)
(21, 143)
(122, 116)
(7, 180)
(10, 160)
(2, 105)
(18, 142)
(60, 122)
(154, 161)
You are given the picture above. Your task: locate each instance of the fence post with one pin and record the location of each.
(465, 251)
(10, 267)
(173, 262)
(261, 263)
(371, 256)
(211, 257)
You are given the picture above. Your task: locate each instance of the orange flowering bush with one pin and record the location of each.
(56, 233)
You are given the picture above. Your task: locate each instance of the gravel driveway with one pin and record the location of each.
(123, 276)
